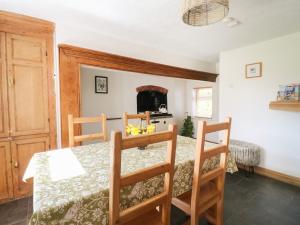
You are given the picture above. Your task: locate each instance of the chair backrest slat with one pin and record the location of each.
(89, 137)
(214, 151)
(216, 127)
(145, 174)
(211, 175)
(117, 181)
(143, 140)
(127, 116)
(135, 211)
(79, 120)
(73, 139)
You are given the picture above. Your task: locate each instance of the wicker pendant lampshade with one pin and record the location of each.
(204, 12)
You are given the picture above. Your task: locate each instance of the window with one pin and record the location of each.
(203, 102)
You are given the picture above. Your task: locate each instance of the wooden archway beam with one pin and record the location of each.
(112, 61)
(70, 59)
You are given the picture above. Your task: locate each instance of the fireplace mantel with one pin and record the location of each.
(152, 88)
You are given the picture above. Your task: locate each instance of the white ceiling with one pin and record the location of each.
(158, 24)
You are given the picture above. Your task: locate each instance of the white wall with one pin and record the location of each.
(247, 100)
(122, 94)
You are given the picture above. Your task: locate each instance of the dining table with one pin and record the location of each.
(71, 185)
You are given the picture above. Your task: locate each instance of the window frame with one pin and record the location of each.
(196, 100)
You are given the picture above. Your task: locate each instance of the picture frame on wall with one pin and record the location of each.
(253, 70)
(101, 85)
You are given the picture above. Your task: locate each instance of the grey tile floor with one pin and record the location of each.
(16, 213)
(253, 200)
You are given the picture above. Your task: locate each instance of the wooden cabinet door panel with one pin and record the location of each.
(27, 49)
(6, 187)
(4, 130)
(28, 87)
(22, 151)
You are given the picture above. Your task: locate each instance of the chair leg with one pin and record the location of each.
(210, 215)
(194, 220)
(219, 212)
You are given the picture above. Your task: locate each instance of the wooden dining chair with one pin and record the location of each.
(144, 213)
(87, 137)
(207, 195)
(127, 116)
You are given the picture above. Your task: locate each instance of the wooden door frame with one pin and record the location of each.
(28, 26)
(70, 59)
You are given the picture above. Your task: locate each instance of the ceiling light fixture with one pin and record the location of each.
(204, 12)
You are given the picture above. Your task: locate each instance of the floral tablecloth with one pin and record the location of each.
(71, 186)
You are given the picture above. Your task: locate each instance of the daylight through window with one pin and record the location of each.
(203, 102)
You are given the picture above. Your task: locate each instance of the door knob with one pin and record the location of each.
(16, 164)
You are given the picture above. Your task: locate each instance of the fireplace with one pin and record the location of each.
(150, 98)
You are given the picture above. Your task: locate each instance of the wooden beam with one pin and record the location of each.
(112, 61)
(69, 76)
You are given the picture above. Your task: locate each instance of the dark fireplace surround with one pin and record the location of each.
(150, 97)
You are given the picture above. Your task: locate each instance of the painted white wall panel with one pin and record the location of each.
(247, 100)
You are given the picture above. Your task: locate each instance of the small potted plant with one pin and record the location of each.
(188, 127)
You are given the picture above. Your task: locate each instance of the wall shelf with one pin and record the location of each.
(293, 106)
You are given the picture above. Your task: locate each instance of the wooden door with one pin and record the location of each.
(3, 90)
(22, 151)
(27, 84)
(6, 187)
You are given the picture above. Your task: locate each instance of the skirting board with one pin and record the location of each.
(277, 176)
